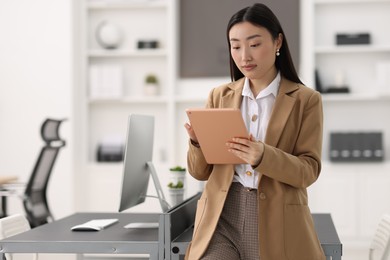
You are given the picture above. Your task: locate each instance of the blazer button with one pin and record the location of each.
(249, 173)
(262, 196)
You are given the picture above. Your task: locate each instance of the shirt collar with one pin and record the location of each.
(272, 88)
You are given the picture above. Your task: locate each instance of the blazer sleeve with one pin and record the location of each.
(302, 166)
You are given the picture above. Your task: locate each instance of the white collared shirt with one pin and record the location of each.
(256, 113)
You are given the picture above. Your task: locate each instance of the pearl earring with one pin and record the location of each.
(277, 52)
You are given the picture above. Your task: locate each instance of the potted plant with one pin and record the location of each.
(151, 85)
(176, 186)
(177, 174)
(177, 169)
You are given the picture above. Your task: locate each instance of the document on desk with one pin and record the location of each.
(95, 224)
(142, 225)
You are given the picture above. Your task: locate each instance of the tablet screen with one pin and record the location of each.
(213, 128)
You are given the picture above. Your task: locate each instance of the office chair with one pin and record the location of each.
(380, 245)
(13, 225)
(34, 196)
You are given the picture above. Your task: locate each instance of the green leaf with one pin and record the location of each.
(179, 185)
(177, 169)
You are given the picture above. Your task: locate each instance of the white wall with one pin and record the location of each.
(35, 83)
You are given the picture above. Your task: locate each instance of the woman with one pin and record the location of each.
(259, 210)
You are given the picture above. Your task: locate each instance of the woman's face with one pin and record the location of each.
(254, 50)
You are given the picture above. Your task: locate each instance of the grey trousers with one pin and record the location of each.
(236, 235)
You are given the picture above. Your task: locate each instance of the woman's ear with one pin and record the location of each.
(279, 41)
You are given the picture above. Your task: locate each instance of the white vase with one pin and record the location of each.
(150, 89)
(176, 176)
(176, 196)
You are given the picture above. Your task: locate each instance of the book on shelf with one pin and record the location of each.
(105, 81)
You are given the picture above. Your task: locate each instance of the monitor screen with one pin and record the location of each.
(138, 152)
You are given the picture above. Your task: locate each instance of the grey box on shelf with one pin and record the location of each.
(147, 44)
(110, 153)
(352, 38)
(356, 147)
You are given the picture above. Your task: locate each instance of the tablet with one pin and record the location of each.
(213, 128)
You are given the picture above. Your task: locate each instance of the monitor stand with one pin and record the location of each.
(160, 194)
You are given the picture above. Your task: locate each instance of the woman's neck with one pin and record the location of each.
(259, 84)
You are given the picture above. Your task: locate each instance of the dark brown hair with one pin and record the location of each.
(260, 15)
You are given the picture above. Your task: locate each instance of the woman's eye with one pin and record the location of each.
(235, 47)
(255, 45)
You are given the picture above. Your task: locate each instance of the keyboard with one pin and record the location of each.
(94, 225)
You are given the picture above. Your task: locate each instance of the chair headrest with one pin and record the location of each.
(50, 130)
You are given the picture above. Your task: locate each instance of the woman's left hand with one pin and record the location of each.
(249, 150)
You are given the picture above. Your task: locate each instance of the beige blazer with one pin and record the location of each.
(291, 163)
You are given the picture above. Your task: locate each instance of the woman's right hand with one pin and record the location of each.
(191, 132)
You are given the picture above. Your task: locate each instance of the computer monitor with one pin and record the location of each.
(137, 165)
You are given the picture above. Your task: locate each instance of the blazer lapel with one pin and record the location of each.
(283, 106)
(233, 98)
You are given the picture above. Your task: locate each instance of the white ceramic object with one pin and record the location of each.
(151, 89)
(176, 196)
(109, 35)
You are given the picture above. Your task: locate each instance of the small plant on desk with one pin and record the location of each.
(178, 176)
(177, 169)
(178, 185)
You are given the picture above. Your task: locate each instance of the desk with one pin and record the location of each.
(5, 180)
(328, 237)
(167, 242)
(56, 237)
(324, 226)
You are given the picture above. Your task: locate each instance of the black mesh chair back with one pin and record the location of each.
(35, 200)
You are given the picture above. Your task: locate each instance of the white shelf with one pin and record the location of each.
(130, 100)
(350, 1)
(126, 4)
(105, 167)
(185, 99)
(351, 49)
(127, 53)
(354, 97)
(369, 166)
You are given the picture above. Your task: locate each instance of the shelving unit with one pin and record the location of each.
(352, 192)
(101, 117)
(106, 117)
(134, 20)
(356, 63)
